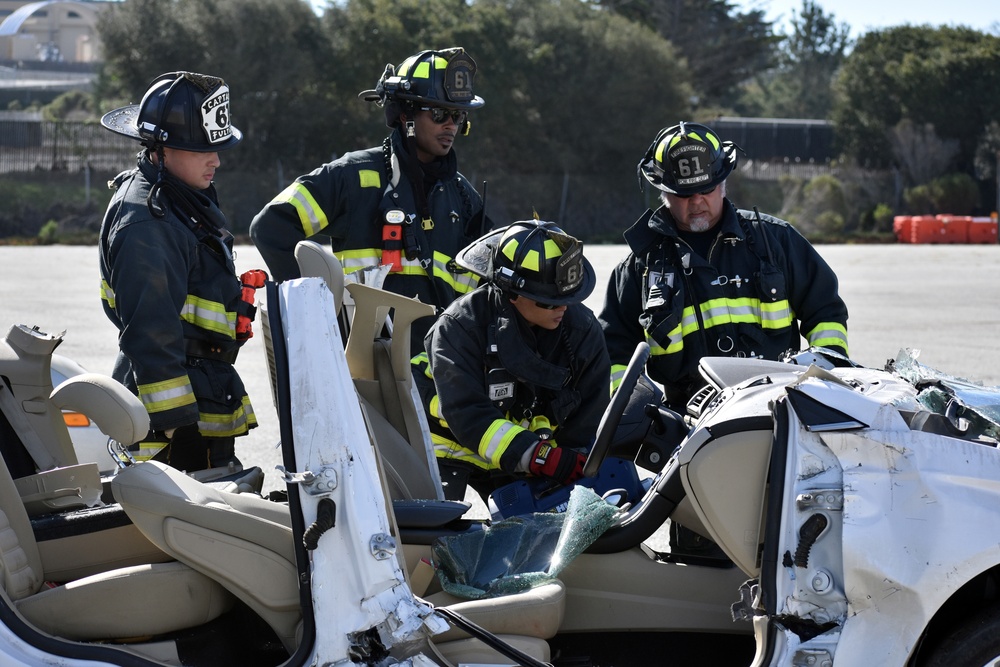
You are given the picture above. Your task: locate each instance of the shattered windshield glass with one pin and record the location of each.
(521, 552)
(971, 408)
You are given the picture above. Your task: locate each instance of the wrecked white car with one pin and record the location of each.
(854, 511)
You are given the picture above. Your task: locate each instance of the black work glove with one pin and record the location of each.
(561, 464)
(187, 449)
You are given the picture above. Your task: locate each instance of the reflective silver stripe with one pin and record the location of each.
(107, 293)
(462, 283)
(167, 395)
(209, 315)
(311, 216)
(496, 439)
(449, 449)
(223, 425)
(827, 334)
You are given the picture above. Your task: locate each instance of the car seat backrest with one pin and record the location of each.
(117, 411)
(315, 261)
(382, 372)
(20, 560)
(43, 441)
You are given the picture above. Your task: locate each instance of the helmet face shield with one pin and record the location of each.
(687, 159)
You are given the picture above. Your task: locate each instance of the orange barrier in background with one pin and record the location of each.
(902, 227)
(954, 228)
(944, 228)
(925, 229)
(982, 230)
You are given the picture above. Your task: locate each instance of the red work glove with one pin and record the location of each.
(563, 465)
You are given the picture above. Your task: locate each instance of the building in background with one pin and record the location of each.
(50, 31)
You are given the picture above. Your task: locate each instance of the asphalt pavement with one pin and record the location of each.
(939, 299)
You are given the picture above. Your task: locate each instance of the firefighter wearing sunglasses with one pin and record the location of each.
(514, 379)
(402, 205)
(704, 278)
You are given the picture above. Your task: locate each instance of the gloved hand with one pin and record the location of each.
(561, 464)
(187, 449)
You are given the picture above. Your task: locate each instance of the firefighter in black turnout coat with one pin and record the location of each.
(515, 375)
(705, 279)
(402, 205)
(168, 280)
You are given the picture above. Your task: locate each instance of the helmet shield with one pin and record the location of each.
(687, 159)
(181, 110)
(533, 259)
(442, 78)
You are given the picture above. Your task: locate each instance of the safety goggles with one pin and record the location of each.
(439, 115)
(703, 193)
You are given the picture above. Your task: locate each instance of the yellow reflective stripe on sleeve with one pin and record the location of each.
(209, 315)
(311, 216)
(423, 364)
(462, 283)
(449, 449)
(617, 373)
(107, 294)
(166, 395)
(828, 334)
(435, 410)
(370, 178)
(496, 440)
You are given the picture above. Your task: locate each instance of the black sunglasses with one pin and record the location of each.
(547, 306)
(703, 193)
(439, 115)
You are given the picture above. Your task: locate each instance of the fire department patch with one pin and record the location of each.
(215, 116)
(458, 78)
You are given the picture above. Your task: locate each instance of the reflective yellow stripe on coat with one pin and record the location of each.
(716, 312)
(167, 394)
(209, 315)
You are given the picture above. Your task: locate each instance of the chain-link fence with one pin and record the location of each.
(595, 207)
(37, 145)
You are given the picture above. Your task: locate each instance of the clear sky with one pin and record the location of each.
(865, 15)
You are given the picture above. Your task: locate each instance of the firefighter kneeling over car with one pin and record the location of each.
(515, 374)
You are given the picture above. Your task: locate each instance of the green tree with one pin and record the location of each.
(562, 128)
(574, 92)
(272, 54)
(74, 105)
(809, 57)
(723, 47)
(947, 77)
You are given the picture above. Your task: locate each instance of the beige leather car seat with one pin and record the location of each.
(245, 543)
(184, 598)
(116, 567)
